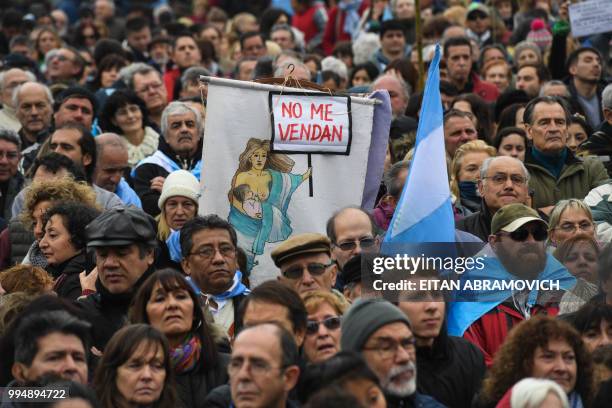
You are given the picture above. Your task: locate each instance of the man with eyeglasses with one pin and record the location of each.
(11, 180)
(503, 180)
(65, 65)
(147, 83)
(556, 174)
(208, 247)
(382, 334)
(516, 252)
(263, 369)
(351, 231)
(305, 263)
(253, 45)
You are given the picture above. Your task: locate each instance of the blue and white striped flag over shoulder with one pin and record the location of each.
(424, 212)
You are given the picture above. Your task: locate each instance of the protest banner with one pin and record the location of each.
(254, 172)
(590, 17)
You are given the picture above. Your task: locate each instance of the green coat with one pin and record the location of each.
(577, 178)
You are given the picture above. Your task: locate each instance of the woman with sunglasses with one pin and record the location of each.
(322, 339)
(167, 302)
(569, 218)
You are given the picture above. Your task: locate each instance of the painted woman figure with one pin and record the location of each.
(263, 181)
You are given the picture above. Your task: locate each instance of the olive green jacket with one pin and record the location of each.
(577, 178)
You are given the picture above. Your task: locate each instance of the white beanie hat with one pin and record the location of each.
(179, 183)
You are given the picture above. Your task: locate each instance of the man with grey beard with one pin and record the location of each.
(382, 334)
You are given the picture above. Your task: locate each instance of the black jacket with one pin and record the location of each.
(163, 259)
(9, 191)
(193, 387)
(600, 145)
(67, 283)
(478, 223)
(145, 173)
(20, 239)
(451, 371)
(107, 312)
(221, 397)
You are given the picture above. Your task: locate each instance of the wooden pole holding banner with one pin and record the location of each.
(419, 44)
(310, 190)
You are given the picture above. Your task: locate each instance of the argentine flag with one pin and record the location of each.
(424, 212)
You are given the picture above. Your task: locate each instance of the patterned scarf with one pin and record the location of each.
(186, 356)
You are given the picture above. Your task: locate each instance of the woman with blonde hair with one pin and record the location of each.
(465, 172)
(569, 218)
(41, 196)
(322, 340)
(178, 203)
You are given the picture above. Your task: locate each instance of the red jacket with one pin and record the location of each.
(305, 22)
(334, 30)
(491, 329)
(170, 78)
(484, 89)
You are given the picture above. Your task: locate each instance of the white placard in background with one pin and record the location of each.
(591, 17)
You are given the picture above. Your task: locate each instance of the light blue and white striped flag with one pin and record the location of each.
(424, 212)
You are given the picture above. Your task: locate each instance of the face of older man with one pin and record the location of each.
(458, 131)
(150, 88)
(391, 353)
(112, 162)
(548, 128)
(33, 109)
(309, 272)
(354, 235)
(504, 183)
(257, 377)
(399, 101)
(63, 65)
(12, 79)
(183, 134)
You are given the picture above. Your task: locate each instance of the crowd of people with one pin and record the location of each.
(116, 288)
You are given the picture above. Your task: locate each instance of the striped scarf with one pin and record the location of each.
(186, 356)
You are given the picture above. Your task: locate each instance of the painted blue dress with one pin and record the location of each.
(274, 225)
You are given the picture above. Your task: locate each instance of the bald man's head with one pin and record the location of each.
(112, 161)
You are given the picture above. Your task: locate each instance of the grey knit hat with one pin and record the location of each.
(365, 317)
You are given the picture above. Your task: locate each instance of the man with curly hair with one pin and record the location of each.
(542, 347)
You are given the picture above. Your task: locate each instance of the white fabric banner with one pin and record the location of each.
(266, 196)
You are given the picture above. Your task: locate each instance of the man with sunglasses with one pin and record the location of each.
(305, 263)
(383, 335)
(516, 252)
(479, 24)
(351, 231)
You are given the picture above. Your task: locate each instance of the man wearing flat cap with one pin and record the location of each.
(124, 242)
(516, 254)
(305, 263)
(382, 334)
